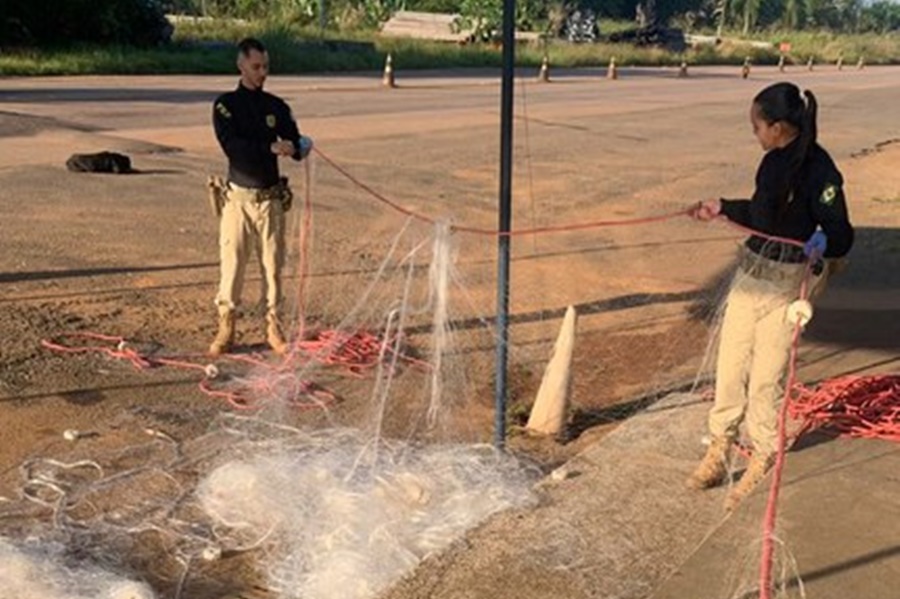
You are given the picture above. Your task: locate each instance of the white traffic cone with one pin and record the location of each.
(548, 415)
(544, 74)
(387, 80)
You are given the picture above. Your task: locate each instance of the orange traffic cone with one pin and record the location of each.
(612, 72)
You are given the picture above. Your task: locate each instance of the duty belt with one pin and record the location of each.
(280, 192)
(258, 194)
(765, 269)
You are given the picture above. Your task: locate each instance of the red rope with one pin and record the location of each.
(369, 190)
(768, 541)
(303, 262)
(299, 393)
(353, 352)
(492, 232)
(852, 406)
(535, 230)
(749, 231)
(356, 352)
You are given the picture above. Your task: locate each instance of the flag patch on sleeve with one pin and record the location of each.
(828, 194)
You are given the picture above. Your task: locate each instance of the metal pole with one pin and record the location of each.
(503, 242)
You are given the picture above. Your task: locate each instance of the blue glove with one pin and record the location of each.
(304, 146)
(815, 245)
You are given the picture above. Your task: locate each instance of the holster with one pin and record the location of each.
(216, 189)
(280, 192)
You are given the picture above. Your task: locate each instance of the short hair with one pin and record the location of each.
(250, 43)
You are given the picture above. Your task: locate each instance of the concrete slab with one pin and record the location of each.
(617, 522)
(838, 530)
(613, 522)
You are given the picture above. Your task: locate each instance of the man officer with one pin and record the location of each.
(254, 128)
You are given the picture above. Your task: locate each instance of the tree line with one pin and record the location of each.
(844, 16)
(142, 22)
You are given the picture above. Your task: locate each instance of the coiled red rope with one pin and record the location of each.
(354, 352)
(867, 407)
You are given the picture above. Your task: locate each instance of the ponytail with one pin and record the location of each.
(808, 132)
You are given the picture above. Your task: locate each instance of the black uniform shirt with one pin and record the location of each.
(817, 200)
(247, 122)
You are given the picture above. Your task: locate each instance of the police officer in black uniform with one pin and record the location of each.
(799, 197)
(254, 129)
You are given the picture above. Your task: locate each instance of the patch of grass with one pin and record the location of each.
(825, 46)
(117, 60)
(610, 26)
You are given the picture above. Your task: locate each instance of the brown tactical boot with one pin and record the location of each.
(274, 334)
(713, 468)
(224, 340)
(756, 471)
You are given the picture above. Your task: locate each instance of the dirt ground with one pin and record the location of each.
(135, 256)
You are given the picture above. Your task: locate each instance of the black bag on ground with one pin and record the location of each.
(102, 162)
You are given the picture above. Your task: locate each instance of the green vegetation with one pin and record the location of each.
(746, 16)
(79, 40)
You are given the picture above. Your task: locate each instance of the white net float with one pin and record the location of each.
(800, 312)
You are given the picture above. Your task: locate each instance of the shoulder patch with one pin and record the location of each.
(270, 121)
(829, 194)
(220, 108)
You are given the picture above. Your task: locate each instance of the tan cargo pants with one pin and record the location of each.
(249, 221)
(754, 349)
